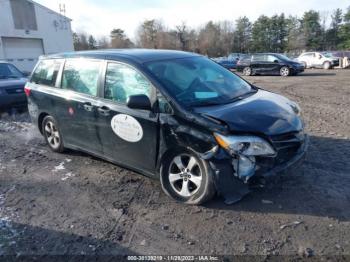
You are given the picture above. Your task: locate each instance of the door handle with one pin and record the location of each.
(88, 106)
(103, 110)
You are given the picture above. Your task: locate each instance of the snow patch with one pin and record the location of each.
(59, 167)
(66, 176)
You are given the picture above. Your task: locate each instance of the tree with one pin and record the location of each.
(80, 41)
(119, 39)
(344, 31)
(103, 43)
(149, 33)
(91, 42)
(312, 30)
(243, 35)
(182, 35)
(295, 42)
(261, 34)
(209, 40)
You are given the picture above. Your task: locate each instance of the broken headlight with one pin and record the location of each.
(245, 145)
(243, 149)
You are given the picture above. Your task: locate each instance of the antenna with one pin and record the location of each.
(62, 8)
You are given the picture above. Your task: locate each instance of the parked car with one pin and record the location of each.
(225, 62)
(229, 62)
(174, 116)
(12, 83)
(268, 64)
(325, 60)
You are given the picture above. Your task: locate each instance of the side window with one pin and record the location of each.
(271, 58)
(46, 72)
(81, 75)
(123, 81)
(258, 58)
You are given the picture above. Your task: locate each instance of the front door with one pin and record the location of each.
(77, 105)
(128, 136)
(271, 64)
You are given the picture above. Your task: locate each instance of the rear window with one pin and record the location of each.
(81, 75)
(46, 72)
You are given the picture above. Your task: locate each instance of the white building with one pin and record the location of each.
(28, 30)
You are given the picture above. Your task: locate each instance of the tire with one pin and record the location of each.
(305, 65)
(285, 71)
(247, 71)
(52, 134)
(187, 178)
(326, 65)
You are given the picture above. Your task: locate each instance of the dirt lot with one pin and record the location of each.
(75, 204)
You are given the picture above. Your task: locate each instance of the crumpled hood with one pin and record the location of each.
(13, 82)
(264, 112)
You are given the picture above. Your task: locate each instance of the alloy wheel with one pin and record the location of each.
(185, 175)
(52, 135)
(247, 71)
(284, 71)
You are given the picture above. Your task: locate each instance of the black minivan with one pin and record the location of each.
(171, 115)
(268, 64)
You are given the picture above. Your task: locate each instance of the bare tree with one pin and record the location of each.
(119, 39)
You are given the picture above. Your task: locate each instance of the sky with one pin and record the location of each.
(99, 17)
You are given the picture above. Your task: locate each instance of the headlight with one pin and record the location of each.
(245, 145)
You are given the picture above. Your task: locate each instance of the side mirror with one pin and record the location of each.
(139, 102)
(275, 61)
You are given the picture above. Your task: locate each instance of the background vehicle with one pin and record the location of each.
(268, 64)
(325, 60)
(229, 62)
(12, 83)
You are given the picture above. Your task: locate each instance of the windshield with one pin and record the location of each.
(9, 71)
(328, 55)
(198, 81)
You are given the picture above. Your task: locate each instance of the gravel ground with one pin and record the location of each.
(76, 204)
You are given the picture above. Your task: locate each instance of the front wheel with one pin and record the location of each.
(326, 65)
(284, 71)
(187, 178)
(247, 71)
(52, 134)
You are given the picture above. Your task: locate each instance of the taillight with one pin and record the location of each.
(27, 90)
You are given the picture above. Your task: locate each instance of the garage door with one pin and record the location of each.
(23, 52)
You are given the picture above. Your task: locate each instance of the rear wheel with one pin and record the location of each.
(284, 71)
(52, 134)
(187, 179)
(247, 71)
(326, 65)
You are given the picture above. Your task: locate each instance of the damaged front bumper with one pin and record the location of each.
(295, 161)
(233, 188)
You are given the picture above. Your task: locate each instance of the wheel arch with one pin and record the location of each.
(41, 119)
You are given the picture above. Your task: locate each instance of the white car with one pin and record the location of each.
(318, 60)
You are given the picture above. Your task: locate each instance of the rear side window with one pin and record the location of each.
(81, 75)
(123, 81)
(258, 58)
(46, 72)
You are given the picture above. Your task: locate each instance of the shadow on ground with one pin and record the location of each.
(320, 187)
(26, 242)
